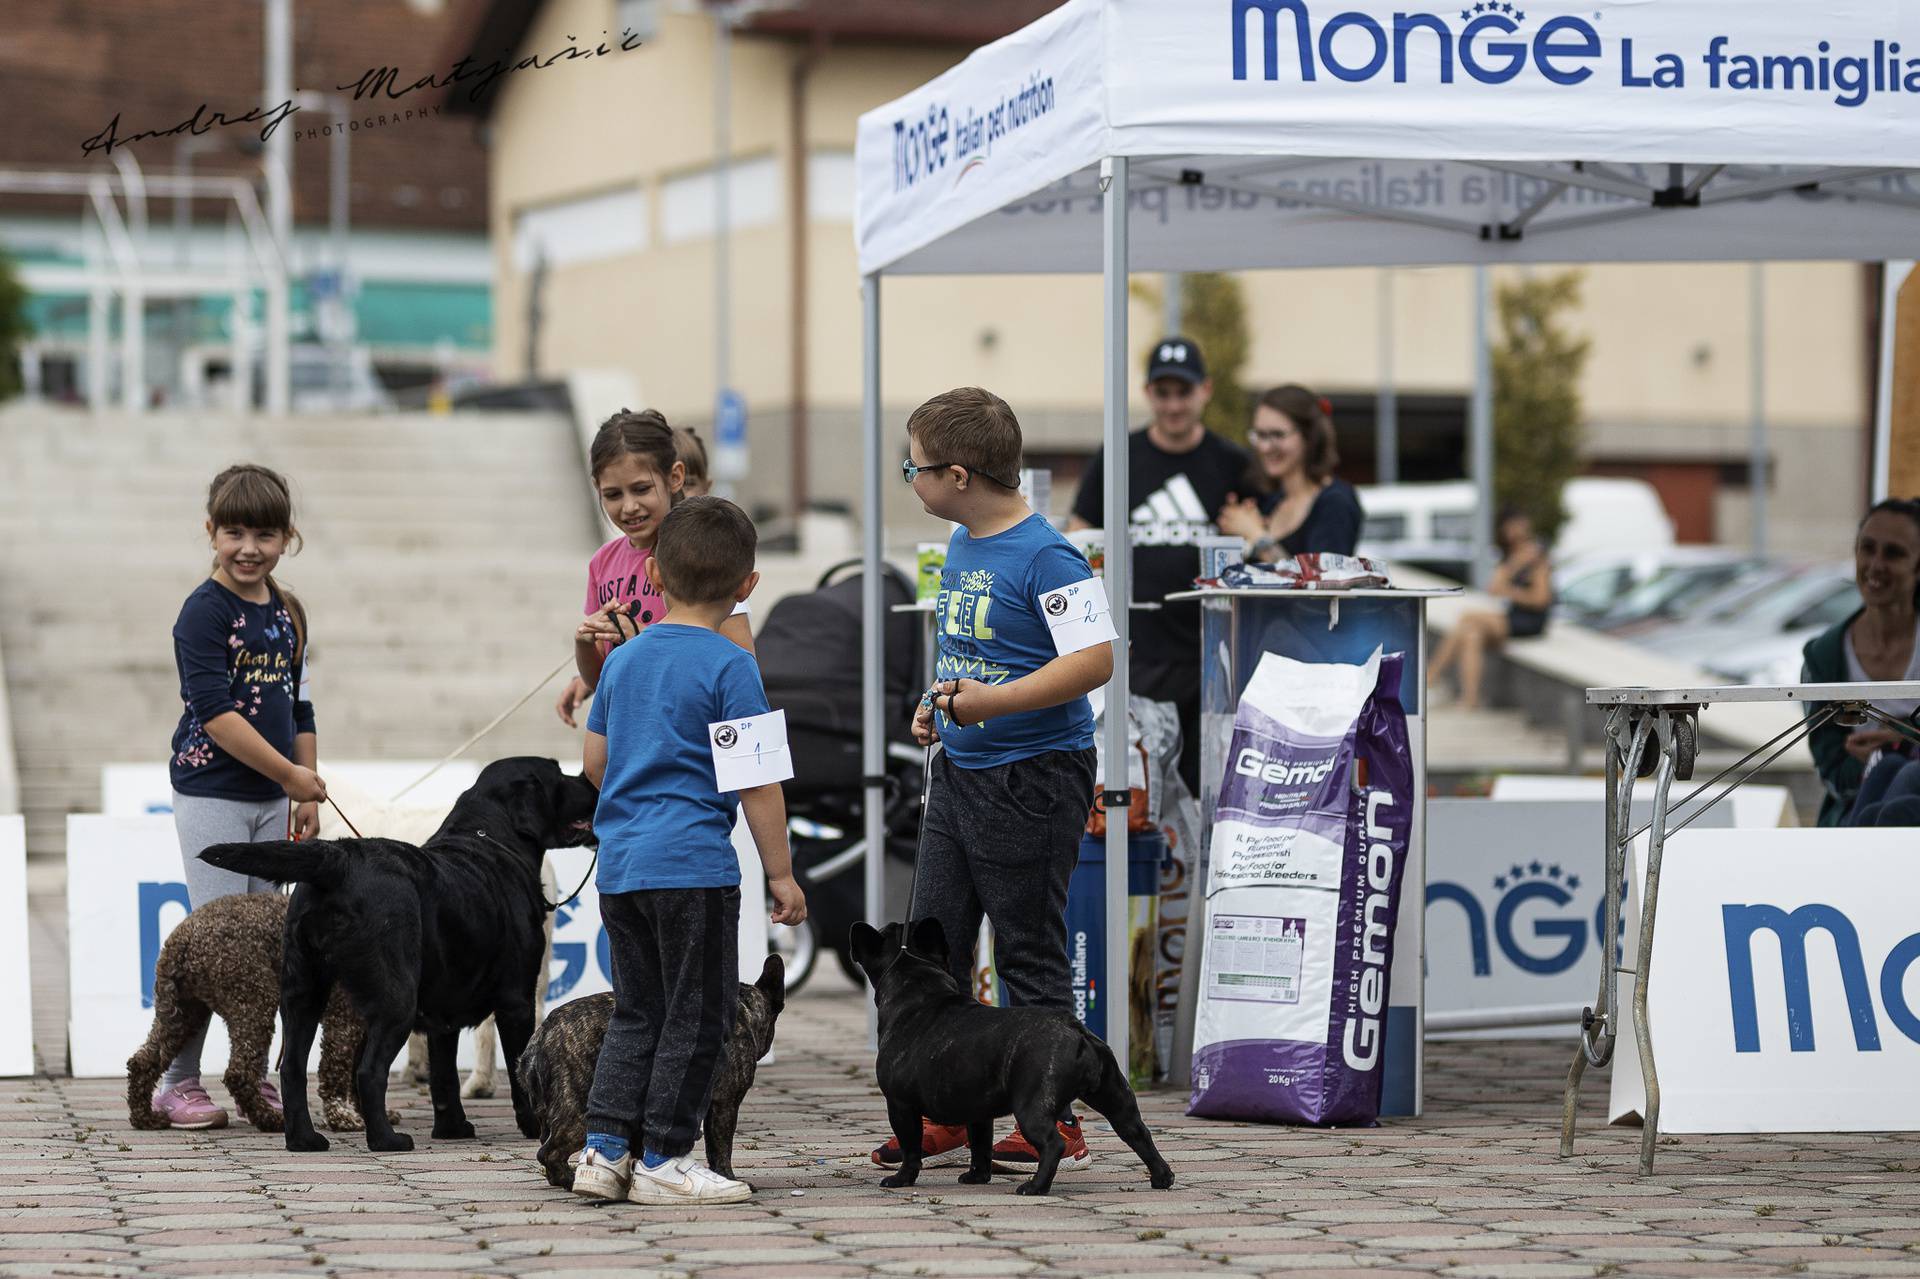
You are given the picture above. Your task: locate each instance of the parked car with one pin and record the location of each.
(1587, 587)
(1431, 525)
(1773, 656)
(1761, 606)
(1671, 591)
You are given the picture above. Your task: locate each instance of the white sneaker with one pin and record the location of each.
(682, 1181)
(597, 1177)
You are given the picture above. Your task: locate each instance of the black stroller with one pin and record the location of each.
(810, 662)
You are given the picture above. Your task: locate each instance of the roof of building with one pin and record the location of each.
(67, 70)
(503, 24)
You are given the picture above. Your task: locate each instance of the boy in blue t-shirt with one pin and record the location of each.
(667, 702)
(1011, 788)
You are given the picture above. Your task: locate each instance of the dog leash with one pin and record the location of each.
(553, 906)
(346, 819)
(492, 724)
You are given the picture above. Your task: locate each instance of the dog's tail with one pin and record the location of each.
(321, 862)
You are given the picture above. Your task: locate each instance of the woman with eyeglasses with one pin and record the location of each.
(1305, 507)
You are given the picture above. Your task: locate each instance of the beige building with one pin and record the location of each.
(605, 169)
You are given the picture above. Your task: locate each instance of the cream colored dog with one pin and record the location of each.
(415, 824)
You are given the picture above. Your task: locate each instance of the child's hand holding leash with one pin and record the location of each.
(945, 696)
(925, 731)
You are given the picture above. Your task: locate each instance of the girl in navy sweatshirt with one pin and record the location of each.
(245, 745)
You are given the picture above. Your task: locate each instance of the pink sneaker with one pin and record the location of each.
(186, 1105)
(271, 1095)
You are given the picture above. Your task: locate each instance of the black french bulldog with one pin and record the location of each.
(946, 1056)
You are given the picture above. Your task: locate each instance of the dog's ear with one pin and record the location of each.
(929, 939)
(864, 944)
(773, 982)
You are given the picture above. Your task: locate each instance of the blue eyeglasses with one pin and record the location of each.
(909, 472)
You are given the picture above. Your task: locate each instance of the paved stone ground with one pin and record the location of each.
(1472, 1189)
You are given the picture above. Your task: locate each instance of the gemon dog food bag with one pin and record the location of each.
(1303, 888)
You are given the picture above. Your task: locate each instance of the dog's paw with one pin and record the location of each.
(1027, 1188)
(476, 1087)
(306, 1141)
(1162, 1180)
(898, 1180)
(452, 1130)
(972, 1178)
(394, 1143)
(148, 1120)
(269, 1120)
(529, 1125)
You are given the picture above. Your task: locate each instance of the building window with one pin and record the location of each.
(754, 199)
(606, 225)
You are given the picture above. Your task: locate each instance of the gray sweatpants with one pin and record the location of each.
(202, 822)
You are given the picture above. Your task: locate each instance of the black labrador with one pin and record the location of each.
(435, 938)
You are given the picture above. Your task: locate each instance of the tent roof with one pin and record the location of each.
(1358, 132)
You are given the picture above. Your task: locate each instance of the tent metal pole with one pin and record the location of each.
(1480, 431)
(1757, 398)
(1119, 591)
(1892, 276)
(873, 743)
(1386, 412)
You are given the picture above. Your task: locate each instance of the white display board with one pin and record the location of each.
(126, 893)
(1752, 805)
(1785, 986)
(141, 789)
(1515, 890)
(16, 982)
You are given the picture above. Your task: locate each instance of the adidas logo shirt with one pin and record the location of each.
(1174, 498)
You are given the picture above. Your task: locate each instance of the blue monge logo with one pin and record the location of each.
(1486, 46)
(1740, 923)
(1554, 943)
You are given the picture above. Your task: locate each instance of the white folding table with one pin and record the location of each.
(1654, 732)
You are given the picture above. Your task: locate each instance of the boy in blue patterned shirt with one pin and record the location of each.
(1014, 779)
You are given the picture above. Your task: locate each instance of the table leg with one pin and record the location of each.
(1626, 740)
(1643, 962)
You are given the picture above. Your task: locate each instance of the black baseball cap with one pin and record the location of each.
(1179, 357)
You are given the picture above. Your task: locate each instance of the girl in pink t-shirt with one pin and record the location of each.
(639, 477)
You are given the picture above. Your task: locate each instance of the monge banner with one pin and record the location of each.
(1657, 80)
(1784, 992)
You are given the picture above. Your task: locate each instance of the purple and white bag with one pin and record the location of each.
(1303, 888)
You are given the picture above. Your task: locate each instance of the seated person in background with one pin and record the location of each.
(1880, 642)
(1889, 793)
(1525, 581)
(1303, 508)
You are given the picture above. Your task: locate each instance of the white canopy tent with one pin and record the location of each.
(1276, 133)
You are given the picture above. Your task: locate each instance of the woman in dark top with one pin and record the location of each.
(1524, 580)
(1880, 642)
(1304, 507)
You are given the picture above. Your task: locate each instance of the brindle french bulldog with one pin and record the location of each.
(557, 1069)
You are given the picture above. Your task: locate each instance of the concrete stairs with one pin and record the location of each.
(442, 571)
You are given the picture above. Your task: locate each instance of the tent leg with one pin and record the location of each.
(1480, 432)
(1757, 393)
(873, 627)
(1119, 592)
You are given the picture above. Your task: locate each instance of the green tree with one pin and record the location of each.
(14, 326)
(1213, 312)
(1537, 427)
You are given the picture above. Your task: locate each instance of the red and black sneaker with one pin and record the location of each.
(938, 1144)
(1016, 1153)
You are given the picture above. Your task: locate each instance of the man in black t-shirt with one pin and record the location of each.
(1179, 477)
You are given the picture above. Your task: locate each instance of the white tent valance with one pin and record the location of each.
(1270, 133)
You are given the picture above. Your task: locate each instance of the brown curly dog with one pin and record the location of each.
(225, 958)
